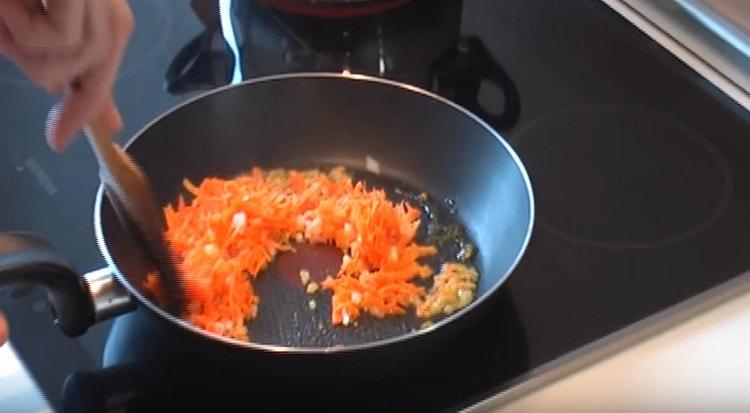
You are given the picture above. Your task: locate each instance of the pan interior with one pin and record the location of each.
(418, 143)
(284, 315)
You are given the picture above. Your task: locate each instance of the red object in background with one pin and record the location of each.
(334, 9)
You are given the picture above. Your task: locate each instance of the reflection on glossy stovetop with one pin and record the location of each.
(649, 181)
(638, 164)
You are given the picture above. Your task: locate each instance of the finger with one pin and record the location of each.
(42, 71)
(110, 115)
(58, 131)
(86, 101)
(27, 25)
(68, 16)
(57, 30)
(3, 330)
(122, 19)
(78, 107)
(53, 71)
(8, 46)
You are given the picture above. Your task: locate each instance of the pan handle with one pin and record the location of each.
(28, 260)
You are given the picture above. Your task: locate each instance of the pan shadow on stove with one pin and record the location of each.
(151, 378)
(419, 43)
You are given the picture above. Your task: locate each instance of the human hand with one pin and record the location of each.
(69, 47)
(3, 330)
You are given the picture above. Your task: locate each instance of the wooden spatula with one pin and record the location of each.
(133, 200)
(131, 196)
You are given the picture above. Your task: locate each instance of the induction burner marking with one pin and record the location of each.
(620, 178)
(153, 24)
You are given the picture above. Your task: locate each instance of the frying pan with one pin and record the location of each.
(417, 139)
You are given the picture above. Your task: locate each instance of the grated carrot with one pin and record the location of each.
(233, 229)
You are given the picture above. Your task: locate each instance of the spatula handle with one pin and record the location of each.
(123, 177)
(134, 202)
(99, 138)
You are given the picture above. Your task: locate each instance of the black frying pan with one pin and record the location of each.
(420, 142)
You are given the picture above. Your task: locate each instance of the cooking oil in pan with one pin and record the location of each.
(290, 314)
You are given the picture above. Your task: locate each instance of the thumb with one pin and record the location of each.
(110, 115)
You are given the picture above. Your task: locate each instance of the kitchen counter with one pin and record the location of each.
(701, 364)
(18, 389)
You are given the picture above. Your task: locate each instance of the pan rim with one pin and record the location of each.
(273, 348)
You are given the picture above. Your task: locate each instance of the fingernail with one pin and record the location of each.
(52, 131)
(54, 143)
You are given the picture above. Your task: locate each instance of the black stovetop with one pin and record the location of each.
(639, 165)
